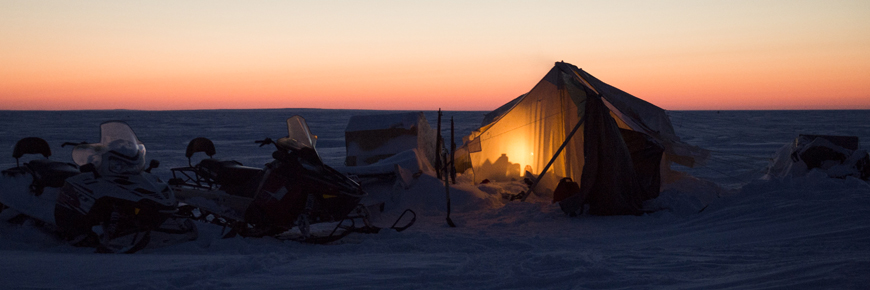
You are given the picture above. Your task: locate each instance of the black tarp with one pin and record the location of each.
(646, 157)
(609, 184)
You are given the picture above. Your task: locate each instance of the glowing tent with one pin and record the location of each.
(612, 144)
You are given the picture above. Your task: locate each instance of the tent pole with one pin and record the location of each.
(447, 191)
(526, 194)
(447, 171)
(438, 143)
(452, 154)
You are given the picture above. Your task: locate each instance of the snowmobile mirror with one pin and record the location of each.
(264, 142)
(154, 164)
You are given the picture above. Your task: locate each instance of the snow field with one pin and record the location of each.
(725, 230)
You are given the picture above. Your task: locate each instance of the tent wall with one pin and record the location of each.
(491, 116)
(527, 136)
(521, 138)
(639, 115)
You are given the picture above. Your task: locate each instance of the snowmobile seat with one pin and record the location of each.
(46, 173)
(233, 177)
(226, 172)
(50, 173)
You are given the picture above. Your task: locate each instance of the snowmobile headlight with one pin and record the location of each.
(120, 166)
(166, 192)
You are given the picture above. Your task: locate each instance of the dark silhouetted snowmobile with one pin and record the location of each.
(108, 199)
(296, 196)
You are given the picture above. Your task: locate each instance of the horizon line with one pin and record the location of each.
(397, 110)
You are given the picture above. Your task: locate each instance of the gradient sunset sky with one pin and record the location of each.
(425, 55)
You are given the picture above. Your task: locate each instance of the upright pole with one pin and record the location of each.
(452, 153)
(438, 166)
(442, 166)
(447, 192)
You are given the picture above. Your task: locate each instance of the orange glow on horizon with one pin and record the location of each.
(672, 90)
(59, 55)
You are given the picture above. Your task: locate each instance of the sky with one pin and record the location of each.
(425, 55)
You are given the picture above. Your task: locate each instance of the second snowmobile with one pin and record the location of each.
(294, 191)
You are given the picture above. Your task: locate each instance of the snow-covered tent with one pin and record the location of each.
(835, 156)
(370, 138)
(609, 142)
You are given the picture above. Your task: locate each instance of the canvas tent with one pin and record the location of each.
(371, 138)
(615, 153)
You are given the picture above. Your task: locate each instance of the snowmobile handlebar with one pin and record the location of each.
(72, 144)
(265, 142)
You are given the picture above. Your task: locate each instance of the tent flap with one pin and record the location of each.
(609, 183)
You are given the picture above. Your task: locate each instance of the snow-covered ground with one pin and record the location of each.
(810, 232)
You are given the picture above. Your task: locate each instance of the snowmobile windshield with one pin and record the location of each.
(298, 134)
(124, 153)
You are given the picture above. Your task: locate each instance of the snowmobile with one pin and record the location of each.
(294, 191)
(108, 199)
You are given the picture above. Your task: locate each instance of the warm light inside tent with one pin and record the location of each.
(527, 136)
(516, 151)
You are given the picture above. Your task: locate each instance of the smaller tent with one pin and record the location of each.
(371, 138)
